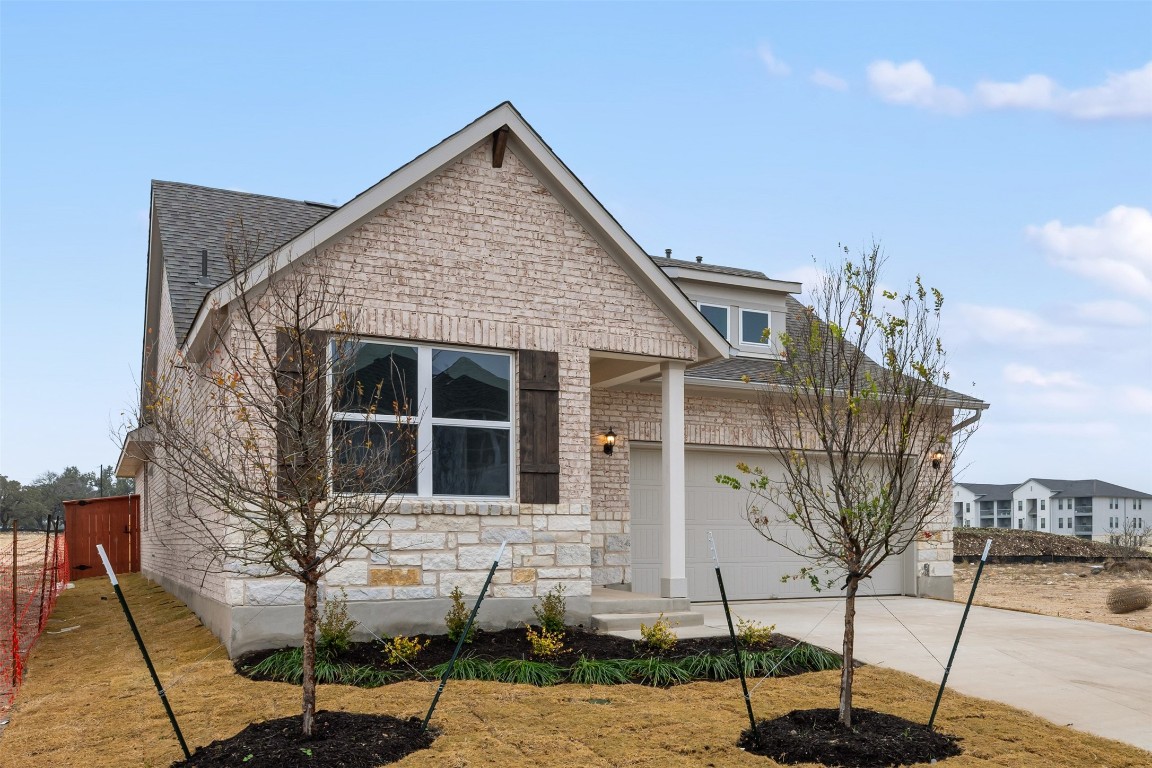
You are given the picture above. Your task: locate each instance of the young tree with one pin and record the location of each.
(255, 468)
(1130, 533)
(863, 451)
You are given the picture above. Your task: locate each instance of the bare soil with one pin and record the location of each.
(1009, 542)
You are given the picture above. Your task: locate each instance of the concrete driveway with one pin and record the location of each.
(1092, 677)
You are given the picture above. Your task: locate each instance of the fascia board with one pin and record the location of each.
(579, 199)
(760, 284)
(698, 381)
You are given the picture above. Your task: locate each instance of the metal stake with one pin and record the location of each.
(143, 651)
(735, 641)
(463, 637)
(960, 631)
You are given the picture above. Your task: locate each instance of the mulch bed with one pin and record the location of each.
(513, 644)
(875, 739)
(340, 740)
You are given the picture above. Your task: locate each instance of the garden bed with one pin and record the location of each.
(507, 656)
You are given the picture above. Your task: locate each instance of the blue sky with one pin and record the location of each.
(1001, 150)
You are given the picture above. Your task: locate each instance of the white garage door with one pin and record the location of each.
(752, 566)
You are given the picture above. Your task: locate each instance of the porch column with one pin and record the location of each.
(673, 570)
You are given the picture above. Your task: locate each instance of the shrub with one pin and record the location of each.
(334, 626)
(467, 668)
(598, 671)
(545, 644)
(402, 650)
(457, 618)
(1128, 599)
(527, 672)
(754, 635)
(658, 672)
(659, 636)
(551, 609)
(710, 666)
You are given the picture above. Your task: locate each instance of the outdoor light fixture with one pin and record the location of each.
(609, 441)
(937, 458)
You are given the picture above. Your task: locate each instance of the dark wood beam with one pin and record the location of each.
(499, 143)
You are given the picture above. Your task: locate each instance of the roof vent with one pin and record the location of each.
(203, 268)
(699, 259)
(667, 253)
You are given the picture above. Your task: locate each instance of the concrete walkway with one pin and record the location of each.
(1092, 677)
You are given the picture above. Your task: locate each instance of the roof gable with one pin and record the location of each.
(538, 157)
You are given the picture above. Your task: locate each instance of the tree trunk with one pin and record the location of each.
(847, 672)
(309, 661)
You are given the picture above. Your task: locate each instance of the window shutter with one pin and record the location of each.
(539, 427)
(301, 414)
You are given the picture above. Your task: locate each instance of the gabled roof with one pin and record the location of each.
(668, 263)
(989, 491)
(538, 156)
(192, 218)
(1071, 488)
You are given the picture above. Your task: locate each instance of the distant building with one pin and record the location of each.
(1089, 509)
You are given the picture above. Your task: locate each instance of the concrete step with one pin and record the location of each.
(618, 601)
(615, 622)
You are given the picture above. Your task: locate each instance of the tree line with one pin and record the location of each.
(40, 504)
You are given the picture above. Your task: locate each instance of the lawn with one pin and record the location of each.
(88, 701)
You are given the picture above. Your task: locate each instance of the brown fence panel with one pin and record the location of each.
(113, 521)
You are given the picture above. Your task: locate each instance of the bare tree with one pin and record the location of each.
(863, 451)
(256, 469)
(1130, 534)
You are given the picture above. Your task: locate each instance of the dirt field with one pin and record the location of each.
(1070, 590)
(88, 701)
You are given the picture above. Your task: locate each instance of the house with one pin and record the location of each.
(1089, 509)
(488, 249)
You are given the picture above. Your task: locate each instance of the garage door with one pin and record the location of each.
(752, 566)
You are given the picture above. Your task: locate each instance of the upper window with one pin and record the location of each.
(753, 326)
(1041, 503)
(717, 317)
(458, 404)
(1019, 506)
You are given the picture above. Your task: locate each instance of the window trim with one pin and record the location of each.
(421, 416)
(727, 334)
(757, 343)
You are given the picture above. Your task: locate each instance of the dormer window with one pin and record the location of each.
(753, 325)
(717, 317)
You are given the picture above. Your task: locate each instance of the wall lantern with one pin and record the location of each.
(937, 458)
(609, 441)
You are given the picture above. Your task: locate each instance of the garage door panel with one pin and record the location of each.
(752, 566)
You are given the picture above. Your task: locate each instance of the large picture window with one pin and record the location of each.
(458, 403)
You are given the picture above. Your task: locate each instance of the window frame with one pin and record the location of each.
(727, 333)
(757, 342)
(420, 415)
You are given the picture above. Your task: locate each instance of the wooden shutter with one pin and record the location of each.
(539, 427)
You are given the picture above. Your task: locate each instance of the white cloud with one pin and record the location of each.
(1116, 249)
(910, 83)
(775, 67)
(1137, 399)
(1121, 95)
(1026, 374)
(1006, 326)
(1111, 312)
(828, 80)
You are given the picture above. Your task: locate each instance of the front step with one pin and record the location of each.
(618, 622)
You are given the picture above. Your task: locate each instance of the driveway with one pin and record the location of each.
(1092, 677)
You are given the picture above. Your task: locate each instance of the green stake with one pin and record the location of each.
(463, 637)
(960, 631)
(735, 641)
(143, 651)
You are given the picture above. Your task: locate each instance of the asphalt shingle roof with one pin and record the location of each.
(1089, 488)
(990, 491)
(192, 218)
(666, 263)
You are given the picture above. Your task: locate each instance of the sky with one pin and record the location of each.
(1003, 151)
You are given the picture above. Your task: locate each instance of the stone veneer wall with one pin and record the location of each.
(713, 421)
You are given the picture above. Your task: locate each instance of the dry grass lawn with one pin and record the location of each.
(88, 701)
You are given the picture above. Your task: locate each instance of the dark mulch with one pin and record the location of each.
(513, 644)
(875, 739)
(341, 740)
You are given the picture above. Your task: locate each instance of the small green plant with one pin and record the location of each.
(551, 609)
(466, 668)
(658, 672)
(545, 644)
(403, 650)
(754, 635)
(306, 751)
(457, 618)
(710, 667)
(598, 671)
(248, 757)
(659, 636)
(527, 672)
(335, 627)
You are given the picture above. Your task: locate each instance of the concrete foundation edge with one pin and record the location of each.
(938, 587)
